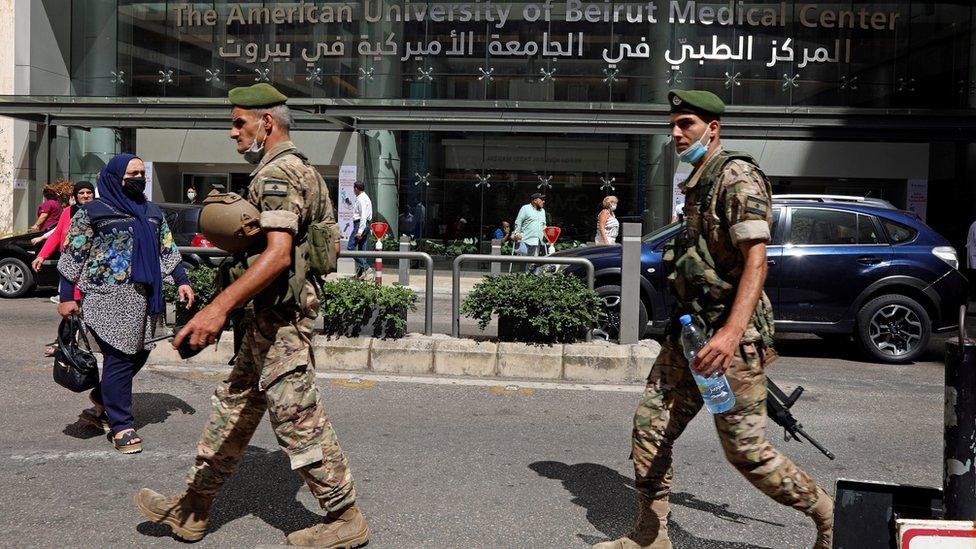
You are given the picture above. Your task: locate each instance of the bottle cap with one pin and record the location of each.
(685, 320)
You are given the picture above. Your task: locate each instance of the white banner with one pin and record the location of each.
(347, 198)
(918, 196)
(149, 180)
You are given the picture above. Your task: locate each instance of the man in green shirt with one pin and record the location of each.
(529, 223)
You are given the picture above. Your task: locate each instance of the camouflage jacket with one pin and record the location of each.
(290, 194)
(727, 200)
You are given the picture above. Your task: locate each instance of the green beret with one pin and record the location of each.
(256, 96)
(695, 102)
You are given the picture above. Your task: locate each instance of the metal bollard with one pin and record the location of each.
(630, 284)
(404, 270)
(379, 264)
(959, 450)
(496, 249)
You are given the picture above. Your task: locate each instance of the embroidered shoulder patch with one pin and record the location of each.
(274, 187)
(756, 205)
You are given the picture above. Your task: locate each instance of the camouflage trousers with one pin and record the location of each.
(671, 399)
(274, 371)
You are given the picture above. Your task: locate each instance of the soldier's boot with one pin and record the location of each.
(345, 529)
(186, 514)
(822, 514)
(650, 531)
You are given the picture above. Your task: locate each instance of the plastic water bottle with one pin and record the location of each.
(715, 390)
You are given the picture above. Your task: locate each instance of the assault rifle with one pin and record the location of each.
(778, 408)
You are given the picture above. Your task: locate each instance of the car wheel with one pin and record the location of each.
(609, 317)
(893, 328)
(16, 278)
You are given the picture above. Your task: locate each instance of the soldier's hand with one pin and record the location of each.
(717, 355)
(203, 328)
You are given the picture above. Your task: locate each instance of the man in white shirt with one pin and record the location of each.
(362, 214)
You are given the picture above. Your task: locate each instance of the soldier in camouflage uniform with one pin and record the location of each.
(716, 273)
(274, 370)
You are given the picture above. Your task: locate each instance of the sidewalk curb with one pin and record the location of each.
(439, 354)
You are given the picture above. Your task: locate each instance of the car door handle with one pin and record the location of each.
(770, 262)
(869, 260)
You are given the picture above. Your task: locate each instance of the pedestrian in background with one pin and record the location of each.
(362, 215)
(529, 225)
(607, 226)
(503, 232)
(117, 251)
(84, 192)
(49, 211)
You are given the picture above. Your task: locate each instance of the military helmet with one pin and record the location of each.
(229, 222)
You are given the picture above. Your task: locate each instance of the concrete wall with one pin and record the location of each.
(35, 39)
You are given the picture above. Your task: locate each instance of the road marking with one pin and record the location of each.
(511, 390)
(98, 455)
(357, 379)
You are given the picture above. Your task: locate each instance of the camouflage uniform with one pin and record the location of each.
(727, 201)
(274, 369)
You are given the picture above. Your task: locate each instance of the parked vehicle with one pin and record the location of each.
(16, 252)
(838, 267)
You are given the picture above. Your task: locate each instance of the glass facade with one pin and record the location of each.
(456, 185)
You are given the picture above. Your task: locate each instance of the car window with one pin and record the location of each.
(659, 232)
(897, 232)
(867, 231)
(822, 227)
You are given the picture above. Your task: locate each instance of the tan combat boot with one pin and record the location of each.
(822, 514)
(650, 531)
(186, 514)
(342, 530)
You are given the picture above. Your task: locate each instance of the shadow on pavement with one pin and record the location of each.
(265, 487)
(147, 409)
(610, 504)
(151, 408)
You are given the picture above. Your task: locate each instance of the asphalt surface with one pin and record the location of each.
(446, 465)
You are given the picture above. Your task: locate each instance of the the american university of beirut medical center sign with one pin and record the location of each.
(753, 24)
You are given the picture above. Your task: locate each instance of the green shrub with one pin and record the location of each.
(203, 280)
(560, 246)
(551, 308)
(349, 304)
(455, 248)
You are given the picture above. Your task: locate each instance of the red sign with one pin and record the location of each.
(379, 229)
(552, 234)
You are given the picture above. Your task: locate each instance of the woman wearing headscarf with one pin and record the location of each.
(118, 249)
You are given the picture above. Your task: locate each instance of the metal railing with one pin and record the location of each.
(456, 278)
(428, 284)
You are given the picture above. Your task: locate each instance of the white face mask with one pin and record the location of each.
(254, 153)
(613, 207)
(191, 195)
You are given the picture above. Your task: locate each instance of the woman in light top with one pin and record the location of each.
(607, 226)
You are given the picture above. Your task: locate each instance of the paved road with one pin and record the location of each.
(445, 465)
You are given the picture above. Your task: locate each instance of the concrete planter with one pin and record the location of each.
(342, 353)
(601, 362)
(643, 355)
(530, 360)
(465, 357)
(413, 354)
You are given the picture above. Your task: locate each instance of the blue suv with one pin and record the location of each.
(838, 267)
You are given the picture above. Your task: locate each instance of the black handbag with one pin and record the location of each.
(75, 368)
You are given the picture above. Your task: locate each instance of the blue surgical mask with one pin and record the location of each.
(695, 152)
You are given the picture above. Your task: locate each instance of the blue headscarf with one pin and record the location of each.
(145, 245)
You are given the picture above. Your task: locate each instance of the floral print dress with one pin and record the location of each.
(97, 257)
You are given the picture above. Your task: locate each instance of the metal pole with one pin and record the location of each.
(403, 272)
(959, 474)
(630, 284)
(456, 278)
(379, 264)
(496, 249)
(428, 267)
